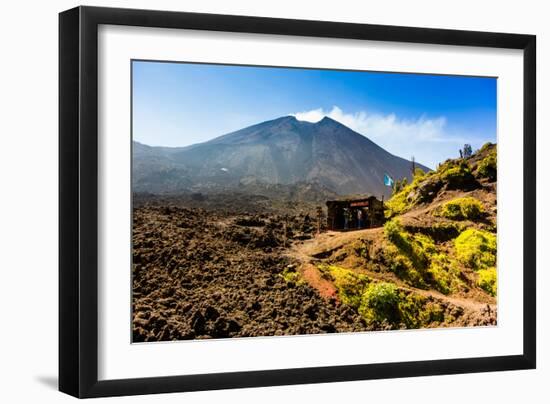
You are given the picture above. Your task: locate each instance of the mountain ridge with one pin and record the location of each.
(279, 151)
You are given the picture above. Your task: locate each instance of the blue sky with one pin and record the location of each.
(426, 116)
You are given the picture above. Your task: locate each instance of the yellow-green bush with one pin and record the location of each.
(380, 302)
(399, 202)
(444, 273)
(485, 146)
(403, 267)
(417, 247)
(416, 259)
(460, 209)
(384, 302)
(442, 231)
(419, 173)
(476, 248)
(456, 173)
(416, 311)
(290, 274)
(487, 280)
(394, 232)
(487, 167)
(350, 285)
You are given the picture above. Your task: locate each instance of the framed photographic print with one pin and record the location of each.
(251, 201)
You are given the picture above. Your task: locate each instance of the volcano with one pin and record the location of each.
(282, 151)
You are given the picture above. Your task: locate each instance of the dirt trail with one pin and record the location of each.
(330, 241)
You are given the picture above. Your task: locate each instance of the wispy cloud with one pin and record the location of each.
(427, 138)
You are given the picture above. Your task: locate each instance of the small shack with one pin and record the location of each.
(354, 214)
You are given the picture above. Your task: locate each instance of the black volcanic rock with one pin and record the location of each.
(282, 151)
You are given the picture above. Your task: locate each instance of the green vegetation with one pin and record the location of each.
(476, 249)
(487, 167)
(487, 280)
(461, 209)
(404, 269)
(399, 202)
(424, 255)
(456, 173)
(399, 185)
(418, 261)
(349, 284)
(418, 172)
(384, 302)
(290, 275)
(444, 273)
(417, 311)
(416, 247)
(441, 232)
(380, 302)
(485, 147)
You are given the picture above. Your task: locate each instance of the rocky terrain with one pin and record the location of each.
(241, 264)
(216, 274)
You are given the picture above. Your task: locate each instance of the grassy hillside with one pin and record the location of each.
(434, 261)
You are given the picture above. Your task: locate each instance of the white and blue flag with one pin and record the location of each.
(388, 181)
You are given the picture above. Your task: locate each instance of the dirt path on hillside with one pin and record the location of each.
(313, 252)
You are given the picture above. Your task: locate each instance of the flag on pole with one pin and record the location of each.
(388, 181)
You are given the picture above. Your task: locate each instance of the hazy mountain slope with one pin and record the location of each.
(281, 151)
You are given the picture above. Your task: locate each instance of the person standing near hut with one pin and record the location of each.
(346, 218)
(360, 218)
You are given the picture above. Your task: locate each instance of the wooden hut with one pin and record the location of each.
(354, 214)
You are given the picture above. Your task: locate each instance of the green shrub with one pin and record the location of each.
(416, 311)
(485, 146)
(457, 174)
(432, 312)
(440, 231)
(487, 280)
(416, 247)
(350, 285)
(450, 211)
(399, 185)
(461, 209)
(416, 259)
(444, 273)
(384, 302)
(487, 167)
(399, 202)
(419, 173)
(290, 274)
(380, 302)
(394, 232)
(410, 306)
(405, 270)
(476, 248)
(425, 243)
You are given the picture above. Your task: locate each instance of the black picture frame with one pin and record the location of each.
(78, 203)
